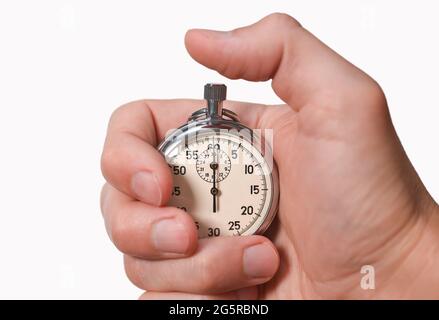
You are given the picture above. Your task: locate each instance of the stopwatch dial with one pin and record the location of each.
(223, 182)
(210, 159)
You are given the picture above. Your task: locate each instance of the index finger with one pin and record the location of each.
(130, 161)
(304, 70)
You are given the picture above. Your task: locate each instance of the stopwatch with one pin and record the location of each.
(224, 174)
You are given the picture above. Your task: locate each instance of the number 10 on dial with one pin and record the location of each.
(220, 176)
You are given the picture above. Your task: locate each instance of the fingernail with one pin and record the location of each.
(146, 187)
(260, 261)
(170, 236)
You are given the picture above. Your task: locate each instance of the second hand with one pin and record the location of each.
(214, 190)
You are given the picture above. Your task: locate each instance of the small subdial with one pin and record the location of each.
(216, 159)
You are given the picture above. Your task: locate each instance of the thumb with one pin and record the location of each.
(278, 47)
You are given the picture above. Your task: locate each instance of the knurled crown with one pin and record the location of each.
(215, 91)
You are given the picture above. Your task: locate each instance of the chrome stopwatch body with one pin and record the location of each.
(224, 173)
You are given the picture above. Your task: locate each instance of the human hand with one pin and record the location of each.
(349, 196)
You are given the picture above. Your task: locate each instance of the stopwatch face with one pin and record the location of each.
(223, 182)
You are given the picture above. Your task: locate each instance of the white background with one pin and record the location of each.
(65, 65)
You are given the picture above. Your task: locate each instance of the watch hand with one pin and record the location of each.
(214, 194)
(214, 190)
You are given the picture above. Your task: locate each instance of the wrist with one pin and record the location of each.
(416, 277)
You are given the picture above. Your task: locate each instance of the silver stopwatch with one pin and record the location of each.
(224, 174)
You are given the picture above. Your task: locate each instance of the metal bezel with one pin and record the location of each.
(193, 127)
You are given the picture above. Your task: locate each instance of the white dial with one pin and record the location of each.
(223, 182)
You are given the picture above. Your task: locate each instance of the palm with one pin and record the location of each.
(329, 184)
(331, 181)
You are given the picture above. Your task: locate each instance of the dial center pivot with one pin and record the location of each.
(213, 164)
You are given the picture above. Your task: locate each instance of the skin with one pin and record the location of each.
(349, 196)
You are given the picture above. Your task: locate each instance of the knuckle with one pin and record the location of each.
(120, 234)
(373, 97)
(121, 122)
(377, 93)
(138, 107)
(210, 276)
(122, 110)
(229, 68)
(103, 196)
(282, 19)
(109, 161)
(133, 272)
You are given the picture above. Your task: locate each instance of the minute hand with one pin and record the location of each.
(214, 188)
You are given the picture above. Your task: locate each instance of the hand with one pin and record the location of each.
(349, 195)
